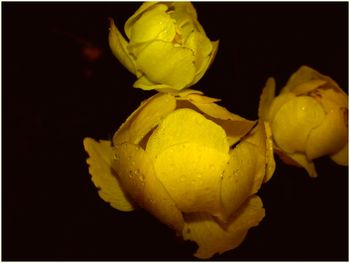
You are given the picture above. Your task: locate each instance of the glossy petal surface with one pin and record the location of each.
(138, 177)
(213, 237)
(100, 168)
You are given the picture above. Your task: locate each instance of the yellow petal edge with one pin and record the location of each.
(103, 177)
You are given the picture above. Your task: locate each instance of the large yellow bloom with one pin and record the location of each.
(192, 164)
(167, 48)
(309, 118)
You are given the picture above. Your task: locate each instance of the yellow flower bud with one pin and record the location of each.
(167, 49)
(192, 164)
(309, 118)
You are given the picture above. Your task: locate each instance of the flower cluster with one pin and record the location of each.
(190, 162)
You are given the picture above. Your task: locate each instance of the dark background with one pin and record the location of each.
(54, 95)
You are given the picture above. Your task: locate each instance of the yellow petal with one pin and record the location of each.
(145, 118)
(130, 22)
(331, 99)
(212, 237)
(201, 47)
(206, 62)
(242, 176)
(302, 160)
(103, 177)
(118, 46)
(154, 23)
(199, 98)
(277, 103)
(270, 160)
(191, 173)
(302, 75)
(266, 99)
(234, 125)
(183, 11)
(164, 63)
(309, 86)
(294, 121)
(187, 126)
(306, 79)
(341, 157)
(329, 137)
(186, 92)
(138, 177)
(261, 137)
(144, 83)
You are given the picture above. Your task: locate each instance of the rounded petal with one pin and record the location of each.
(294, 121)
(103, 177)
(234, 125)
(277, 103)
(302, 75)
(201, 47)
(266, 99)
(242, 176)
(118, 46)
(187, 126)
(329, 137)
(261, 138)
(300, 160)
(164, 63)
(145, 118)
(153, 24)
(192, 174)
(144, 83)
(206, 62)
(212, 237)
(270, 160)
(341, 157)
(143, 8)
(138, 177)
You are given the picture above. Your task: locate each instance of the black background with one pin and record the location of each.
(53, 97)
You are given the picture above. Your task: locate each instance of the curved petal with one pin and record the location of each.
(145, 118)
(266, 99)
(206, 62)
(164, 63)
(242, 176)
(118, 46)
(201, 47)
(301, 160)
(302, 75)
(143, 8)
(294, 121)
(103, 177)
(270, 160)
(186, 126)
(306, 74)
(261, 137)
(277, 103)
(144, 83)
(153, 24)
(329, 137)
(341, 157)
(138, 177)
(306, 87)
(234, 125)
(192, 173)
(212, 237)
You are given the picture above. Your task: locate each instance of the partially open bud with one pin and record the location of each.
(167, 49)
(192, 164)
(309, 118)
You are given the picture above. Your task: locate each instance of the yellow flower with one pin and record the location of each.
(309, 118)
(167, 49)
(192, 164)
